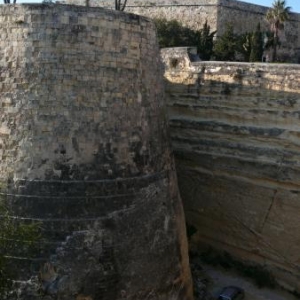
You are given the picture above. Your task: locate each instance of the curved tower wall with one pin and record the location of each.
(84, 152)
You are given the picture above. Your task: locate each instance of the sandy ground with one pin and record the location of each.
(221, 278)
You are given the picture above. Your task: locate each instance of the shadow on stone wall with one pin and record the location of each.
(237, 158)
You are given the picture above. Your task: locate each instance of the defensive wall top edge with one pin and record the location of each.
(181, 68)
(43, 9)
(226, 4)
(143, 3)
(192, 64)
(148, 3)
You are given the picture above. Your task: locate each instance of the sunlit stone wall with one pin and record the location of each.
(235, 131)
(85, 156)
(244, 17)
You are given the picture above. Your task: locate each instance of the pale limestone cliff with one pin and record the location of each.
(235, 130)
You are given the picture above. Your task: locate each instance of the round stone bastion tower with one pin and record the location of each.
(85, 156)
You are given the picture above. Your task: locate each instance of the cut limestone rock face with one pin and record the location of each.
(235, 133)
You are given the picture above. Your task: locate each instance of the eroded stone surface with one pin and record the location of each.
(84, 152)
(218, 13)
(235, 131)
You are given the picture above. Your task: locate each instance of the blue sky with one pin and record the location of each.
(295, 4)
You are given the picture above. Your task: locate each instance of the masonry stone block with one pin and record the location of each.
(85, 154)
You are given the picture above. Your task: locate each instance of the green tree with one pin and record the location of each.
(276, 16)
(256, 45)
(120, 5)
(205, 42)
(244, 45)
(269, 40)
(172, 33)
(14, 238)
(226, 45)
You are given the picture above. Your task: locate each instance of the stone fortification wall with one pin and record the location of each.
(191, 13)
(84, 152)
(235, 131)
(245, 17)
(218, 13)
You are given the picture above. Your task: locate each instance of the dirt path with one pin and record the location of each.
(222, 278)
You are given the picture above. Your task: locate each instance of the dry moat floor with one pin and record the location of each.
(220, 278)
(209, 281)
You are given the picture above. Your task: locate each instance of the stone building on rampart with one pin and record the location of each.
(193, 13)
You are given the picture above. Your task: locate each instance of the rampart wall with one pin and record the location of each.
(235, 131)
(85, 155)
(193, 13)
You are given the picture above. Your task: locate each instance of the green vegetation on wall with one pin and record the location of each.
(174, 34)
(15, 237)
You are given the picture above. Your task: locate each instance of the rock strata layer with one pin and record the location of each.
(235, 131)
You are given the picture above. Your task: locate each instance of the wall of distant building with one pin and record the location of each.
(193, 13)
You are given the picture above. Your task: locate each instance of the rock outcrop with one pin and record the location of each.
(235, 131)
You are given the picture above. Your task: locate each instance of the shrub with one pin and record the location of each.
(174, 34)
(256, 45)
(226, 45)
(205, 42)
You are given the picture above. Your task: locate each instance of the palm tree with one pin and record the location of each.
(276, 16)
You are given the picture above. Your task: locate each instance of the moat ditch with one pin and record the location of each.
(211, 276)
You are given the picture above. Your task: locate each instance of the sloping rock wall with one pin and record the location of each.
(235, 130)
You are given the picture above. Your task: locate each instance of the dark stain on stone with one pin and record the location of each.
(75, 144)
(226, 90)
(62, 149)
(109, 223)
